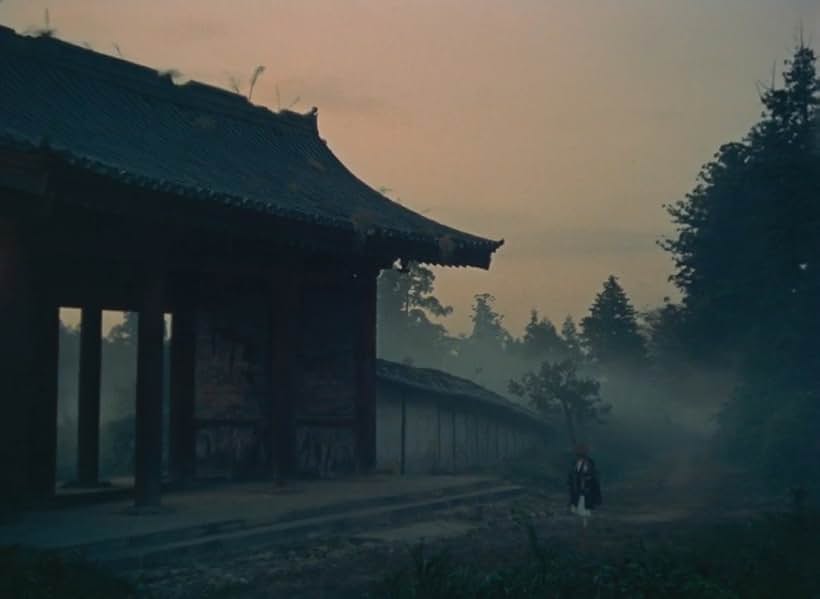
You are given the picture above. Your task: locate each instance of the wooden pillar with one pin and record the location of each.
(366, 360)
(182, 436)
(43, 415)
(148, 458)
(29, 328)
(88, 412)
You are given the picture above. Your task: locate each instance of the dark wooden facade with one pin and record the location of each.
(264, 249)
(312, 344)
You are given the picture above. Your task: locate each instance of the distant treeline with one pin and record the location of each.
(742, 342)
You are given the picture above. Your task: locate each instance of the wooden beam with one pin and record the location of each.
(148, 458)
(326, 422)
(88, 413)
(28, 369)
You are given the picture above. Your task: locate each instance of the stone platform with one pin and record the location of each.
(231, 517)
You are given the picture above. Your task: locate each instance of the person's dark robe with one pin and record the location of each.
(584, 482)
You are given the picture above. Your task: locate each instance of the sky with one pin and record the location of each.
(561, 126)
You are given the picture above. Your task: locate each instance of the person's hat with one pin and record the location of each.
(581, 449)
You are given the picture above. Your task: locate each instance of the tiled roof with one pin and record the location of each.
(134, 124)
(435, 381)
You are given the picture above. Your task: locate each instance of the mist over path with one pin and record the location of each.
(668, 498)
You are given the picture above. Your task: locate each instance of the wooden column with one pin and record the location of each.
(29, 321)
(182, 436)
(148, 458)
(44, 387)
(366, 360)
(88, 412)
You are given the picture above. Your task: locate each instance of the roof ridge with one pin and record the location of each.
(476, 390)
(157, 83)
(240, 155)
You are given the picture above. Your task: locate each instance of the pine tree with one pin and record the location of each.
(488, 329)
(747, 249)
(541, 340)
(610, 332)
(572, 340)
(406, 303)
(747, 255)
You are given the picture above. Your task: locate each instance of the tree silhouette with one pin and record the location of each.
(406, 301)
(747, 248)
(541, 340)
(747, 254)
(488, 329)
(125, 331)
(572, 340)
(610, 332)
(557, 387)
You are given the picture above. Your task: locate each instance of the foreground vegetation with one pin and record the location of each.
(34, 575)
(770, 556)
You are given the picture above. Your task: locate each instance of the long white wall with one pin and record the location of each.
(444, 434)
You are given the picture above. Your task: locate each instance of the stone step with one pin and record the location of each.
(221, 537)
(217, 527)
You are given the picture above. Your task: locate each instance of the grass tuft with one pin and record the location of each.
(770, 556)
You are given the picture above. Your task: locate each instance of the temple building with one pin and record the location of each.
(123, 190)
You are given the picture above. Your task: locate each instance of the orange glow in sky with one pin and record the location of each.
(561, 126)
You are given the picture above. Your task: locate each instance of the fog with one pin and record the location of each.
(624, 404)
(561, 127)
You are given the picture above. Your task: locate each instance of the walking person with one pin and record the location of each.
(584, 486)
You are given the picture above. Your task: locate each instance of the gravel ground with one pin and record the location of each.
(352, 566)
(648, 509)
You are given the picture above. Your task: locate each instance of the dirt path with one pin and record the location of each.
(659, 503)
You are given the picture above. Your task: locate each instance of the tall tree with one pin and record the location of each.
(125, 331)
(557, 387)
(406, 303)
(747, 248)
(666, 327)
(488, 329)
(611, 331)
(747, 254)
(484, 354)
(541, 340)
(572, 340)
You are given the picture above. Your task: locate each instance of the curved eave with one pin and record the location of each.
(451, 249)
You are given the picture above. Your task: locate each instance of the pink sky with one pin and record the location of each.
(561, 126)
